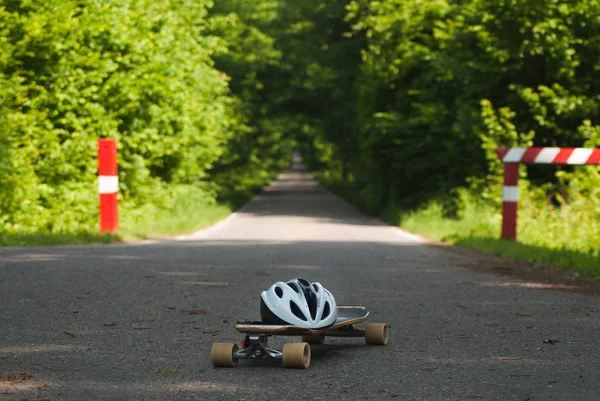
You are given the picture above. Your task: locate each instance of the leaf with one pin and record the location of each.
(16, 377)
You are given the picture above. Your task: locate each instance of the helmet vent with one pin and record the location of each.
(311, 300)
(296, 311)
(326, 311)
(314, 286)
(279, 292)
(303, 282)
(294, 287)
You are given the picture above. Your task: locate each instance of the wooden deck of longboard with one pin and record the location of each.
(347, 315)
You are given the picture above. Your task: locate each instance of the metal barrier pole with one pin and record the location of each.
(511, 157)
(510, 201)
(108, 185)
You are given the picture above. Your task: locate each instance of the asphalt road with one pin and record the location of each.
(137, 321)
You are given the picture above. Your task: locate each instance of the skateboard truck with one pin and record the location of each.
(255, 346)
(293, 355)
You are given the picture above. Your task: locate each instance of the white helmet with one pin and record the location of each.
(299, 303)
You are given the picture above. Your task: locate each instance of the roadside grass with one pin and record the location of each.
(171, 211)
(135, 224)
(182, 211)
(566, 237)
(53, 239)
(185, 215)
(152, 222)
(586, 265)
(555, 237)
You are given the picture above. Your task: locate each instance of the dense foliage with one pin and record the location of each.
(142, 72)
(403, 99)
(443, 83)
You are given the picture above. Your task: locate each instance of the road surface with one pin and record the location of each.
(137, 321)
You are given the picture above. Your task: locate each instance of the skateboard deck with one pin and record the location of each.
(347, 315)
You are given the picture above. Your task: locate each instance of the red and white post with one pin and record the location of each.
(510, 201)
(512, 157)
(108, 185)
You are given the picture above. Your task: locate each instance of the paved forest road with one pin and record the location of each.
(107, 322)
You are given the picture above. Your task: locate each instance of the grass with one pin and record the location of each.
(185, 216)
(587, 265)
(176, 210)
(183, 210)
(144, 223)
(53, 239)
(562, 239)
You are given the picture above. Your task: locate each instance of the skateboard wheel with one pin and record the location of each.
(221, 355)
(376, 333)
(296, 355)
(314, 338)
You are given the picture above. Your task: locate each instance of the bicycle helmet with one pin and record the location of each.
(299, 303)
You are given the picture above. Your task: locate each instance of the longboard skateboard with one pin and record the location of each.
(296, 355)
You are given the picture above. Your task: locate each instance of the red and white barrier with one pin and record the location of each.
(108, 185)
(512, 157)
(549, 155)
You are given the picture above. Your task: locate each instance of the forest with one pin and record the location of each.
(397, 105)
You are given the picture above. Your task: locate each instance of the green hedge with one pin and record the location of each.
(142, 72)
(436, 86)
